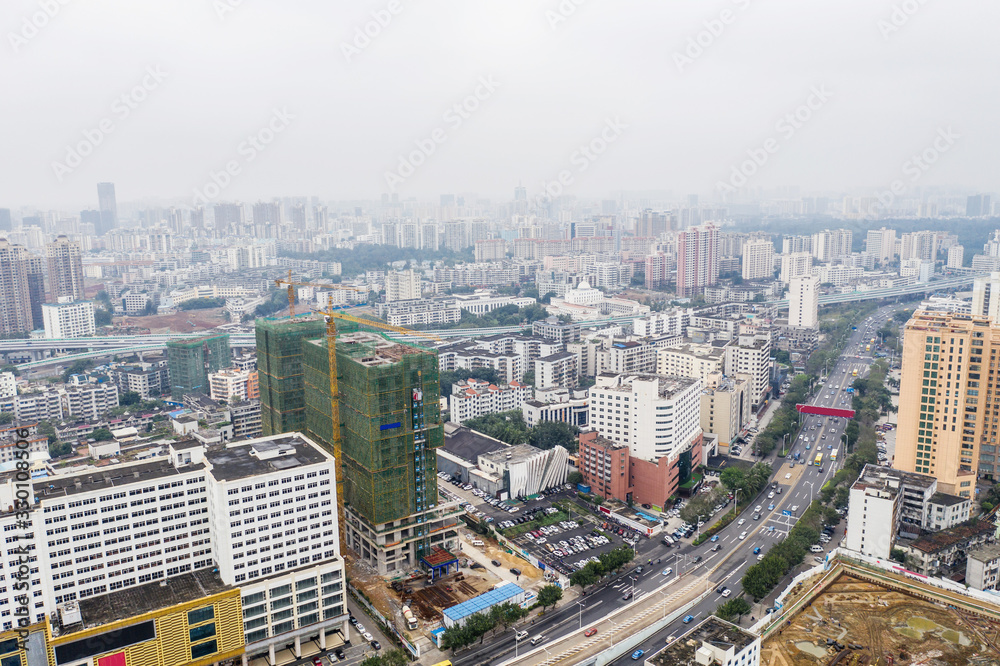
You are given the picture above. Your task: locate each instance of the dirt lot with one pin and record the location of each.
(181, 321)
(887, 624)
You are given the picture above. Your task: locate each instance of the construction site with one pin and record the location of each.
(854, 621)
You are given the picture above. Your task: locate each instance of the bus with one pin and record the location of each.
(819, 460)
(833, 455)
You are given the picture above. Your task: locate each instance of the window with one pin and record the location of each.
(202, 632)
(203, 649)
(201, 615)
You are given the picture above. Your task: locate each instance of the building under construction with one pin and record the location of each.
(390, 427)
(191, 360)
(280, 371)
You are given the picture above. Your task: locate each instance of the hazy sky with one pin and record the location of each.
(884, 80)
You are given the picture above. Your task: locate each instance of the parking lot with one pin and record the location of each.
(565, 544)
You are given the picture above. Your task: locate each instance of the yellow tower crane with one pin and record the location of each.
(331, 349)
(292, 284)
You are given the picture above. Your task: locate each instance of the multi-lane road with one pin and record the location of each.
(799, 482)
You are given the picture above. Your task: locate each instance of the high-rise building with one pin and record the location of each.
(803, 301)
(93, 219)
(881, 244)
(281, 372)
(191, 360)
(795, 264)
(751, 355)
(229, 217)
(758, 259)
(198, 219)
(956, 256)
(832, 244)
(6, 223)
(65, 269)
(978, 205)
(986, 296)
(36, 290)
(402, 285)
(697, 259)
(791, 244)
(107, 203)
(15, 302)
(948, 399)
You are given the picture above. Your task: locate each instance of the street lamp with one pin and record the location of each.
(700, 521)
(811, 489)
(582, 605)
(611, 634)
(517, 644)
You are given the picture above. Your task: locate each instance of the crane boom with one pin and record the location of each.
(319, 285)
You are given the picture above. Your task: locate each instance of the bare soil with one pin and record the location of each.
(183, 321)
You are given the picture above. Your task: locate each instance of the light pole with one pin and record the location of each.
(663, 594)
(517, 644)
(582, 605)
(811, 489)
(611, 634)
(700, 521)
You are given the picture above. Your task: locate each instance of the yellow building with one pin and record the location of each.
(193, 619)
(949, 405)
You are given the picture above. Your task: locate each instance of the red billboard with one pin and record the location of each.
(825, 411)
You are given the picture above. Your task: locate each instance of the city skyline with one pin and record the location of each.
(679, 98)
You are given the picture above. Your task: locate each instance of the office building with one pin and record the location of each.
(713, 642)
(758, 259)
(232, 382)
(472, 398)
(697, 259)
(68, 318)
(107, 203)
(604, 465)
(803, 301)
(65, 269)
(208, 596)
(881, 244)
(15, 303)
(191, 360)
(948, 400)
(421, 311)
(523, 470)
(483, 301)
(655, 416)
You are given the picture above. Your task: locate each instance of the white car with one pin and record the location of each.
(770, 495)
(726, 592)
(741, 521)
(368, 637)
(743, 536)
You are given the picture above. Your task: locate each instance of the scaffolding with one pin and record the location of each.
(281, 372)
(390, 411)
(190, 362)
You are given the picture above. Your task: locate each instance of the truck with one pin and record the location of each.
(411, 621)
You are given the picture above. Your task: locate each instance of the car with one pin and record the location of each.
(354, 621)
(829, 446)
(367, 636)
(626, 596)
(720, 589)
(317, 661)
(697, 559)
(668, 571)
(743, 535)
(756, 516)
(590, 632)
(717, 547)
(688, 619)
(340, 654)
(756, 550)
(789, 474)
(757, 510)
(637, 655)
(795, 508)
(741, 521)
(820, 470)
(495, 563)
(714, 538)
(726, 592)
(360, 628)
(770, 495)
(375, 645)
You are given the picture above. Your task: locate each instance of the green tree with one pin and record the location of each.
(12, 369)
(572, 478)
(549, 595)
(102, 317)
(102, 435)
(57, 449)
(898, 554)
(129, 398)
(48, 430)
(528, 378)
(550, 434)
(588, 575)
(6, 418)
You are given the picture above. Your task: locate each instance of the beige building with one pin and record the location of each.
(65, 269)
(758, 259)
(725, 406)
(949, 404)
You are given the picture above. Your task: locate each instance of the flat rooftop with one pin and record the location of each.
(512, 454)
(716, 632)
(253, 457)
(112, 476)
(945, 499)
(985, 552)
(667, 386)
(107, 608)
(468, 444)
(371, 349)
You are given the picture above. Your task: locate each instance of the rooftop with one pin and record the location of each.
(713, 631)
(986, 552)
(667, 386)
(483, 602)
(110, 477)
(512, 454)
(468, 444)
(945, 499)
(107, 608)
(240, 460)
(938, 541)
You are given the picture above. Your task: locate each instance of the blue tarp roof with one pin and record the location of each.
(483, 601)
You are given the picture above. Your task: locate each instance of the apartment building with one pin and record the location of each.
(552, 328)
(559, 370)
(418, 312)
(146, 379)
(697, 259)
(881, 243)
(982, 568)
(15, 299)
(758, 259)
(68, 318)
(832, 244)
(667, 323)
(34, 407)
(402, 286)
(803, 301)
(230, 382)
(604, 465)
(246, 419)
(89, 401)
(751, 355)
(794, 264)
(949, 402)
(560, 406)
(725, 406)
(472, 398)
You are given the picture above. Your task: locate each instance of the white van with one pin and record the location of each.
(537, 639)
(815, 549)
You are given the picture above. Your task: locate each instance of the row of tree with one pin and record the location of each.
(747, 482)
(608, 563)
(365, 257)
(500, 617)
(510, 427)
(395, 657)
